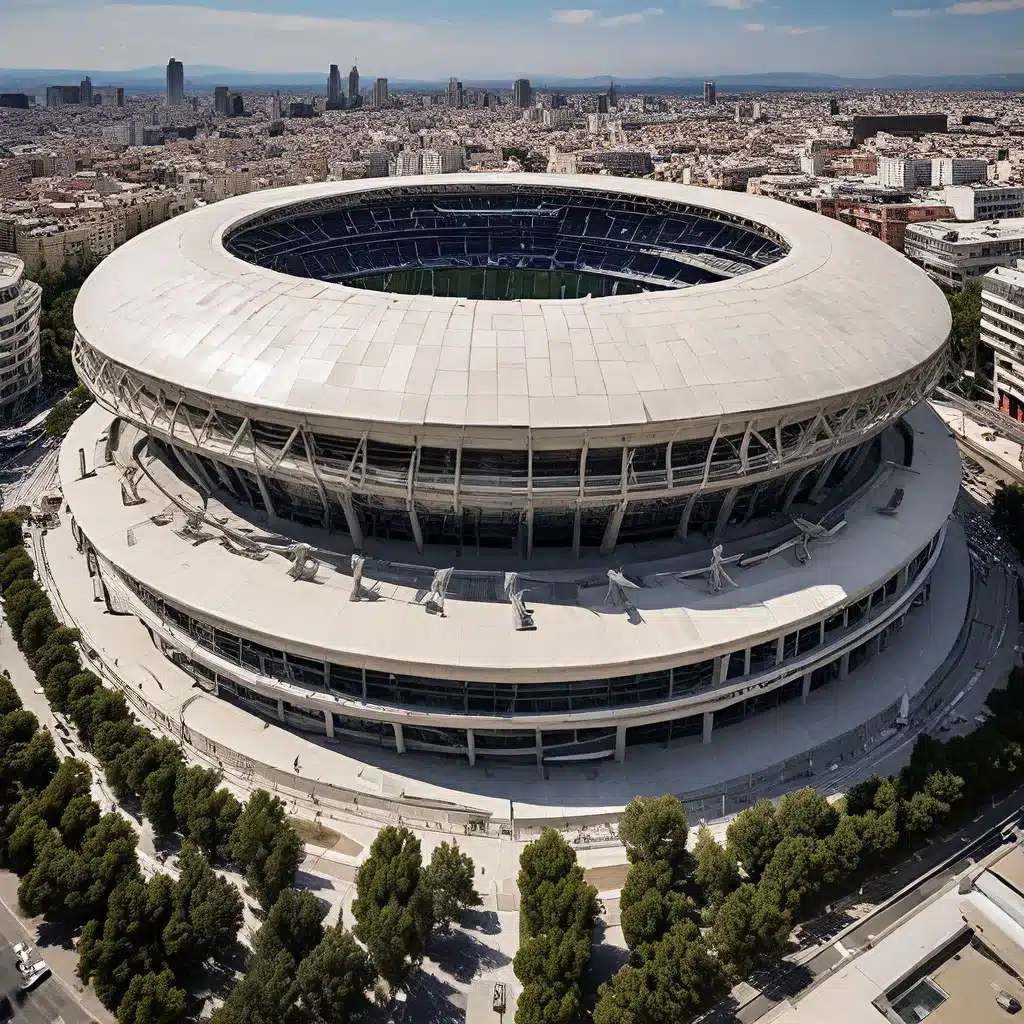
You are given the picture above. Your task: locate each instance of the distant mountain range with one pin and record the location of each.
(203, 78)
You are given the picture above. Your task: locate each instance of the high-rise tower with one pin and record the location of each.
(522, 93)
(175, 82)
(709, 94)
(353, 86)
(334, 94)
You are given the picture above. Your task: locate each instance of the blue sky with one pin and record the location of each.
(502, 38)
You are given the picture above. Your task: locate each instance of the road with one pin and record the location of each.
(52, 1000)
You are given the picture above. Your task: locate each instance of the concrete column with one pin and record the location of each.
(611, 531)
(529, 533)
(471, 747)
(280, 710)
(577, 527)
(746, 661)
(844, 665)
(806, 688)
(620, 743)
(721, 669)
(857, 463)
(791, 491)
(709, 724)
(780, 650)
(539, 747)
(329, 722)
(684, 520)
(819, 484)
(417, 531)
(725, 511)
(352, 520)
(399, 737)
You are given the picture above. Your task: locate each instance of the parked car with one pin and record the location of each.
(33, 973)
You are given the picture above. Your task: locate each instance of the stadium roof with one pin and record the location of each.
(840, 313)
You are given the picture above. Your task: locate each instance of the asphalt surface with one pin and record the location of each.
(51, 1001)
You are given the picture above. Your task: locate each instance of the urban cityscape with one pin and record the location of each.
(534, 549)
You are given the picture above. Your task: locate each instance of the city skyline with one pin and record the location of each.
(682, 37)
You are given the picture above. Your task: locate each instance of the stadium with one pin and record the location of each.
(511, 467)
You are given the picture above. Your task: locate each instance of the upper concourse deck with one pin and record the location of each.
(675, 621)
(837, 315)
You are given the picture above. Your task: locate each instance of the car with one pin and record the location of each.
(21, 952)
(33, 974)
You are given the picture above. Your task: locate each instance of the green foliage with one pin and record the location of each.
(295, 924)
(265, 845)
(965, 308)
(392, 909)
(650, 904)
(152, 999)
(749, 927)
(752, 837)
(334, 978)
(805, 813)
(268, 994)
(66, 411)
(714, 870)
(205, 811)
(655, 828)
(680, 978)
(448, 881)
(794, 871)
(56, 321)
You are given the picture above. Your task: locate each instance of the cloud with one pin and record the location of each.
(572, 17)
(734, 5)
(632, 18)
(799, 30)
(754, 26)
(915, 12)
(985, 7)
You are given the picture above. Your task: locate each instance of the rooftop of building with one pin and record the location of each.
(971, 231)
(836, 315)
(10, 266)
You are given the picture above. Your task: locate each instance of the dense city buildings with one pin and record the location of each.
(175, 82)
(866, 126)
(989, 201)
(20, 369)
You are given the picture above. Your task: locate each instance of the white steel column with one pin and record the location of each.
(620, 743)
(399, 737)
(709, 724)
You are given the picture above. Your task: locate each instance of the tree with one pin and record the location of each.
(839, 854)
(126, 942)
(9, 699)
(391, 908)
(266, 846)
(206, 811)
(11, 534)
(655, 828)
(552, 891)
(752, 837)
(38, 625)
(860, 797)
(295, 924)
(965, 309)
(266, 994)
(793, 871)
(333, 979)
(679, 979)
(931, 805)
(554, 961)
(206, 916)
(60, 418)
(448, 881)
(750, 927)
(152, 999)
(715, 871)
(650, 904)
(806, 812)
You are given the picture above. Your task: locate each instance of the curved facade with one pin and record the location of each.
(20, 370)
(482, 525)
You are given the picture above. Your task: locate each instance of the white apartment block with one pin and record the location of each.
(904, 173)
(559, 117)
(409, 161)
(20, 368)
(958, 171)
(953, 254)
(1002, 331)
(990, 201)
(445, 161)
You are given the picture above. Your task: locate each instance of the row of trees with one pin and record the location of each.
(301, 972)
(695, 921)
(56, 320)
(66, 411)
(79, 867)
(142, 944)
(557, 911)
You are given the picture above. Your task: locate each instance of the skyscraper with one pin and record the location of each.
(613, 96)
(380, 92)
(709, 94)
(85, 92)
(454, 93)
(334, 85)
(175, 82)
(353, 87)
(222, 100)
(522, 93)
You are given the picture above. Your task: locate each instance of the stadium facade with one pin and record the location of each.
(510, 466)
